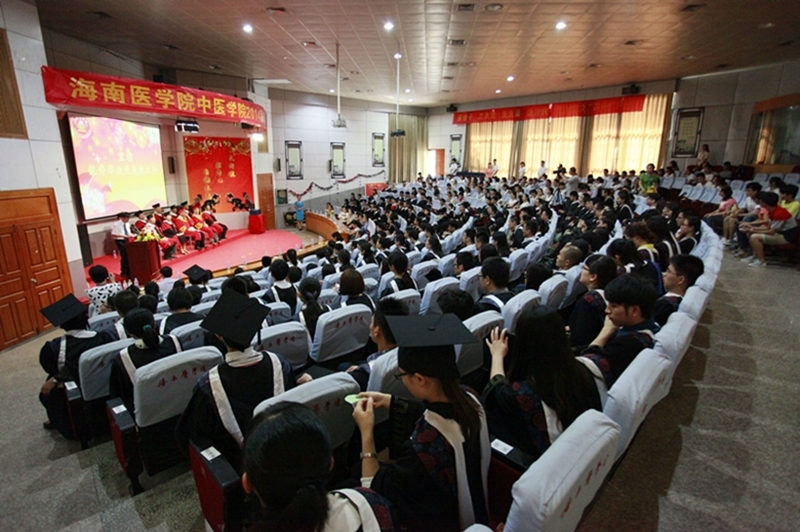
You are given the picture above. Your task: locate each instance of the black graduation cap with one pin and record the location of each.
(63, 310)
(196, 274)
(184, 203)
(426, 343)
(236, 317)
(156, 205)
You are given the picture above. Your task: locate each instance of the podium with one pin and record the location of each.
(255, 222)
(144, 260)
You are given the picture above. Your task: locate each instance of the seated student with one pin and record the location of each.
(167, 281)
(398, 264)
(629, 327)
(223, 399)
(431, 437)
(180, 307)
(198, 277)
(148, 346)
(682, 272)
(494, 283)
(541, 388)
(343, 261)
(151, 288)
(727, 204)
(788, 193)
(644, 240)
(624, 253)
(281, 290)
(746, 212)
(666, 243)
(688, 233)
(351, 284)
(458, 302)
(263, 273)
(589, 314)
(568, 257)
(381, 335)
(535, 275)
(59, 358)
(782, 229)
(124, 302)
(149, 302)
(105, 286)
(310, 311)
(287, 462)
(463, 262)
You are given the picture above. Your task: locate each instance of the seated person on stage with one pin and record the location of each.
(682, 272)
(185, 226)
(351, 284)
(124, 302)
(211, 220)
(463, 262)
(540, 388)
(381, 335)
(167, 281)
(170, 230)
(589, 314)
(398, 264)
(457, 301)
(198, 277)
(629, 327)
(494, 283)
(287, 462)
(148, 346)
(104, 286)
(282, 289)
(224, 398)
(311, 309)
(59, 358)
(180, 307)
(433, 436)
(197, 221)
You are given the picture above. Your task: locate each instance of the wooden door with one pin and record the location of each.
(17, 320)
(439, 162)
(266, 199)
(33, 263)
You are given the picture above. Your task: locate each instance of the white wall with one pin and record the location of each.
(38, 161)
(728, 99)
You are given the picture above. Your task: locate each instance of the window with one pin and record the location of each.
(774, 136)
(455, 147)
(294, 159)
(337, 159)
(378, 149)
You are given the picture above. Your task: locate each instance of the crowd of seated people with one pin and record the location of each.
(535, 382)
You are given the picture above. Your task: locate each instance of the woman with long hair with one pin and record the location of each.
(589, 314)
(287, 461)
(542, 388)
(441, 439)
(433, 249)
(398, 265)
(624, 210)
(367, 253)
(148, 346)
(501, 243)
(309, 291)
(643, 239)
(628, 260)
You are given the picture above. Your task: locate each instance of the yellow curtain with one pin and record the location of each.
(641, 134)
(766, 140)
(603, 147)
(487, 141)
(565, 135)
(535, 141)
(407, 154)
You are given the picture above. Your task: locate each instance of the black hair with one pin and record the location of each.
(151, 288)
(536, 274)
(279, 269)
(603, 267)
(327, 269)
(166, 271)
(791, 190)
(287, 458)
(343, 257)
(149, 302)
(179, 298)
(309, 290)
(78, 323)
(237, 284)
(632, 290)
(367, 254)
(398, 262)
(695, 222)
(488, 251)
(626, 251)
(436, 245)
(295, 274)
(688, 266)
(659, 226)
(640, 230)
(726, 192)
(388, 306)
(501, 243)
(291, 256)
(465, 259)
(98, 273)
(754, 185)
(266, 261)
(496, 269)
(351, 283)
(140, 323)
(125, 301)
(458, 302)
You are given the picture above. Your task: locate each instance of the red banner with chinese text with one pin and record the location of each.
(370, 189)
(216, 165)
(622, 104)
(84, 89)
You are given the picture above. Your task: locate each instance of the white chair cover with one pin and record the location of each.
(163, 306)
(411, 298)
(204, 308)
(430, 299)
(340, 332)
(371, 288)
(675, 337)
(706, 282)
(331, 280)
(471, 282)
(678, 183)
(575, 288)
(385, 278)
(94, 368)
(419, 272)
(791, 179)
(447, 265)
(644, 383)
(279, 312)
(518, 304)
(519, 259)
(552, 291)
(329, 297)
(105, 322)
(381, 377)
(290, 340)
(211, 295)
(325, 396)
(469, 357)
(162, 389)
(414, 257)
(216, 283)
(190, 335)
(370, 271)
(694, 302)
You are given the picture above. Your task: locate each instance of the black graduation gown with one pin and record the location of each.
(586, 320)
(486, 303)
(397, 284)
(120, 384)
(245, 387)
(422, 482)
(362, 299)
(173, 321)
(287, 295)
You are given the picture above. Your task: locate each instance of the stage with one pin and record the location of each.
(240, 247)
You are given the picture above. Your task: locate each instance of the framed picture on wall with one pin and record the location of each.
(282, 196)
(378, 149)
(294, 159)
(688, 125)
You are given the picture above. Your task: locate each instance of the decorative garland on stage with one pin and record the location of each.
(336, 183)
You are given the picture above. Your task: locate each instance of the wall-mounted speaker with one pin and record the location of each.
(451, 109)
(171, 164)
(277, 165)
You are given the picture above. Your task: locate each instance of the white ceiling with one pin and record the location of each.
(519, 40)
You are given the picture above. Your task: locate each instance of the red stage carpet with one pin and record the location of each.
(240, 246)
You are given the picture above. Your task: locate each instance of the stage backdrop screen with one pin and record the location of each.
(119, 165)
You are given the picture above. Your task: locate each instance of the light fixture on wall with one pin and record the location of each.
(398, 132)
(257, 135)
(187, 125)
(339, 122)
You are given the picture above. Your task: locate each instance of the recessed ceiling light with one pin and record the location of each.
(247, 28)
(722, 65)
(388, 26)
(456, 42)
(215, 67)
(689, 57)
(470, 64)
(565, 71)
(408, 90)
(331, 90)
(451, 64)
(355, 72)
(276, 10)
(561, 25)
(448, 78)
(445, 90)
(411, 99)
(309, 43)
(494, 7)
(466, 7)
(510, 78)
(634, 42)
(398, 55)
(498, 91)
(170, 47)
(595, 65)
(330, 65)
(766, 26)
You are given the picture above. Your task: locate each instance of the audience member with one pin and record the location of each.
(180, 306)
(588, 316)
(281, 290)
(682, 272)
(311, 309)
(105, 287)
(124, 302)
(458, 302)
(494, 284)
(351, 285)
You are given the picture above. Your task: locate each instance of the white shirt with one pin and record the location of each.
(521, 172)
(542, 170)
(120, 230)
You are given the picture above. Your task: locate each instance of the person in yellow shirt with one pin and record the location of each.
(788, 201)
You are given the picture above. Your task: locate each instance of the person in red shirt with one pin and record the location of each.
(200, 224)
(782, 229)
(185, 225)
(211, 220)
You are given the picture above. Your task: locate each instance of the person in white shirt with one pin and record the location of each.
(521, 171)
(121, 232)
(495, 168)
(454, 166)
(542, 170)
(702, 156)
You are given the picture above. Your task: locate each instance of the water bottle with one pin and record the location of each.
(244, 261)
(229, 266)
(114, 253)
(135, 281)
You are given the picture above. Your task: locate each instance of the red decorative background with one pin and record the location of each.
(218, 165)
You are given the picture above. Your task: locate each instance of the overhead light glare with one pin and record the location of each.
(498, 91)
(331, 90)
(561, 25)
(510, 78)
(257, 136)
(408, 90)
(388, 26)
(247, 28)
(398, 55)
(494, 7)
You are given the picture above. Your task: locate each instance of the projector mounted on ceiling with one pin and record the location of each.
(398, 133)
(339, 122)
